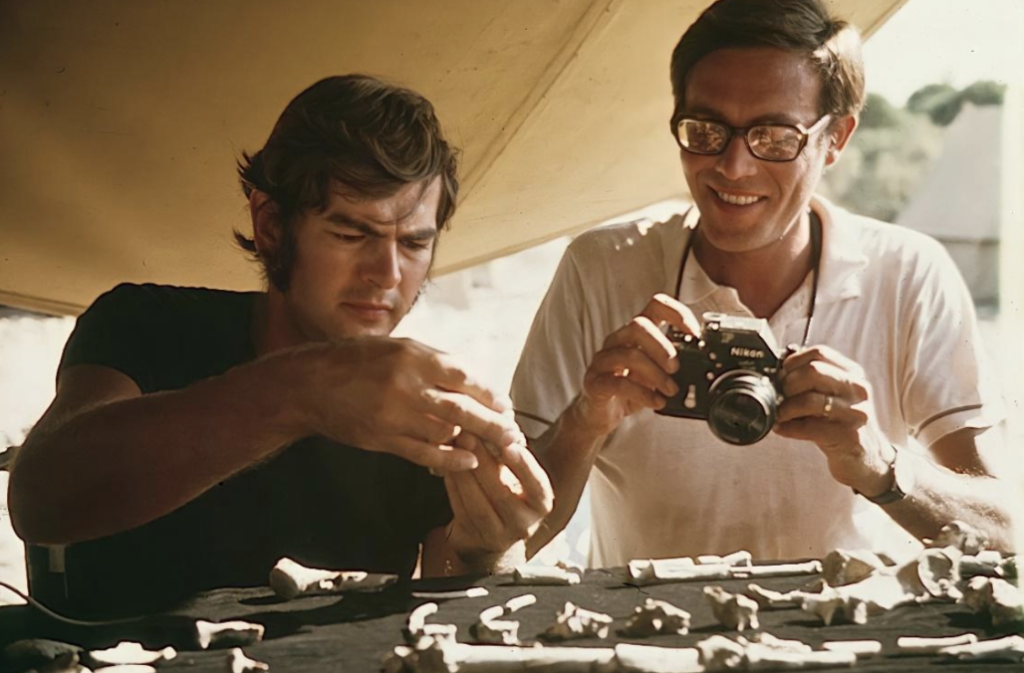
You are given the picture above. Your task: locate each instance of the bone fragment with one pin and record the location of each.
(777, 570)
(127, 652)
(915, 645)
(935, 573)
(289, 579)
(656, 618)
(764, 658)
(126, 668)
(519, 602)
(495, 631)
(1010, 648)
(988, 563)
(542, 575)
(647, 659)
(659, 571)
(227, 634)
(737, 558)
(963, 536)
(718, 653)
(733, 611)
(470, 592)
(860, 648)
(417, 628)
(842, 567)
(834, 607)
(767, 599)
(770, 641)
(437, 656)
(239, 663)
(575, 622)
(997, 598)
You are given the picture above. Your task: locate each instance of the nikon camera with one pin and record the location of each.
(728, 376)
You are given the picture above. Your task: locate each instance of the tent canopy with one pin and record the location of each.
(120, 122)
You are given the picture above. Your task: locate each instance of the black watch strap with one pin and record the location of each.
(895, 492)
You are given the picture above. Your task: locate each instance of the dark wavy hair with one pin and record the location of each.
(371, 136)
(831, 45)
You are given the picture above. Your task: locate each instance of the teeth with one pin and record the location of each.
(737, 200)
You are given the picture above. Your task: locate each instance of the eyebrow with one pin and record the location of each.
(714, 115)
(421, 234)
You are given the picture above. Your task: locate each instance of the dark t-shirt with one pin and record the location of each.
(321, 503)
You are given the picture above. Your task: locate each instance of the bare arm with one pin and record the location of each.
(106, 458)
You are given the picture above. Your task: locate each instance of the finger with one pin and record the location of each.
(517, 518)
(479, 513)
(642, 333)
(536, 486)
(607, 386)
(827, 378)
(451, 376)
(435, 458)
(663, 309)
(432, 430)
(461, 516)
(472, 416)
(824, 353)
(635, 365)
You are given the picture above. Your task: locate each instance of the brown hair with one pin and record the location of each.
(371, 136)
(832, 46)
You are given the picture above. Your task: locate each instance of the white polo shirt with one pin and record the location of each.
(888, 297)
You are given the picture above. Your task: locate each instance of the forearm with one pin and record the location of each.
(566, 452)
(940, 496)
(122, 464)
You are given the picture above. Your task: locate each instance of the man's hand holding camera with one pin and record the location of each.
(634, 368)
(827, 401)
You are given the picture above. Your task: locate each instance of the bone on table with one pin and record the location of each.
(238, 662)
(227, 634)
(545, 575)
(417, 628)
(438, 656)
(733, 611)
(916, 645)
(127, 652)
(841, 566)
(963, 536)
(573, 621)
(656, 618)
(290, 579)
(997, 598)
(1010, 648)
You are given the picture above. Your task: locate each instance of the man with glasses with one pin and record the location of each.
(884, 393)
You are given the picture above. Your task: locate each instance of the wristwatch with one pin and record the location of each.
(902, 482)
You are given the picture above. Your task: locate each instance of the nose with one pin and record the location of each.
(736, 161)
(381, 266)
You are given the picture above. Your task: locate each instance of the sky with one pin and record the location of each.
(954, 41)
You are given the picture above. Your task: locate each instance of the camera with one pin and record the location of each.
(729, 376)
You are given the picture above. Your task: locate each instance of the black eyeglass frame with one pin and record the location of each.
(743, 131)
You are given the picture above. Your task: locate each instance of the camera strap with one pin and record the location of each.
(815, 222)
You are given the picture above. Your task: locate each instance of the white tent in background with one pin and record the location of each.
(959, 202)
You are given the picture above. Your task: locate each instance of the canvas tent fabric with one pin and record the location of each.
(120, 122)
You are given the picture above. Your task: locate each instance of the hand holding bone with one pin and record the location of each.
(396, 396)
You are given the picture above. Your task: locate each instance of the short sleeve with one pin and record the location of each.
(115, 332)
(947, 378)
(551, 368)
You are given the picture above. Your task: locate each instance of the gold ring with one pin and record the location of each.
(828, 405)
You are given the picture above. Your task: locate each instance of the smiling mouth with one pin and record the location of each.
(736, 199)
(368, 309)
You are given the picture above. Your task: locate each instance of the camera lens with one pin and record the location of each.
(742, 407)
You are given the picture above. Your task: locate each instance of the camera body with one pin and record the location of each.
(729, 376)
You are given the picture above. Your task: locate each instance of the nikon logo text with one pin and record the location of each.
(740, 352)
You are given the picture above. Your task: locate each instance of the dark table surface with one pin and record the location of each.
(352, 633)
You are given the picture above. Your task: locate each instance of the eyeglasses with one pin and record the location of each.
(771, 142)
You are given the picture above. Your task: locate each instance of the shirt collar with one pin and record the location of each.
(842, 258)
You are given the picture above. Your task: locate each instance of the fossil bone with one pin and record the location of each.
(777, 570)
(767, 599)
(997, 598)
(239, 663)
(1010, 648)
(541, 575)
(469, 592)
(656, 618)
(439, 656)
(733, 611)
(737, 558)
(935, 573)
(659, 571)
(227, 634)
(963, 536)
(988, 563)
(631, 658)
(842, 567)
(719, 653)
(915, 645)
(575, 622)
(290, 579)
(860, 648)
(127, 652)
(417, 628)
(832, 606)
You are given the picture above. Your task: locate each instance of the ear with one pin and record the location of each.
(266, 227)
(839, 136)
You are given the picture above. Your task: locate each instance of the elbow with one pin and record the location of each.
(27, 511)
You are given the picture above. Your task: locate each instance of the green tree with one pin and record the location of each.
(878, 112)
